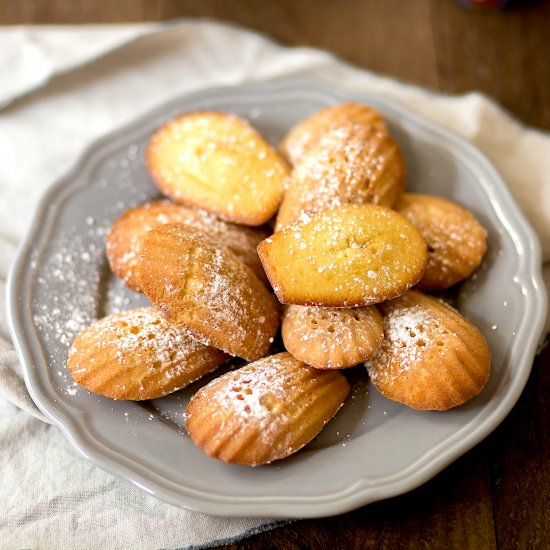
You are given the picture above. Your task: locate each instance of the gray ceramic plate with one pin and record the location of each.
(374, 448)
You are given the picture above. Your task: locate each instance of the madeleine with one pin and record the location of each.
(349, 164)
(138, 355)
(353, 255)
(219, 163)
(199, 285)
(305, 135)
(122, 246)
(432, 358)
(456, 240)
(264, 411)
(332, 338)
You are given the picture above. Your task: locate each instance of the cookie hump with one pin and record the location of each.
(138, 355)
(219, 163)
(353, 255)
(264, 411)
(204, 287)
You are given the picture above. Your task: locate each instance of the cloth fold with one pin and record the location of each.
(61, 88)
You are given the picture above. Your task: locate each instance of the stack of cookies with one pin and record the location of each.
(344, 274)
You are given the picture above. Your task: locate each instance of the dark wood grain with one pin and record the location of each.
(495, 496)
(498, 494)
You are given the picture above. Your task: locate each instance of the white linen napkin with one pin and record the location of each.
(63, 87)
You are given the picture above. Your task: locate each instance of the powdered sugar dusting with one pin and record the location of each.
(70, 305)
(410, 332)
(122, 245)
(344, 168)
(332, 337)
(221, 157)
(265, 410)
(206, 288)
(270, 395)
(229, 297)
(152, 355)
(307, 134)
(141, 330)
(256, 395)
(260, 396)
(348, 165)
(357, 254)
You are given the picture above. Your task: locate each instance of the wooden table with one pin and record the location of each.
(498, 494)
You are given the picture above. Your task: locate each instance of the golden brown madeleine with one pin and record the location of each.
(126, 232)
(332, 338)
(431, 358)
(349, 164)
(219, 163)
(456, 240)
(264, 411)
(205, 288)
(354, 255)
(307, 134)
(138, 355)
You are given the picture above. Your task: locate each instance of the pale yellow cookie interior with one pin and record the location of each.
(219, 163)
(354, 255)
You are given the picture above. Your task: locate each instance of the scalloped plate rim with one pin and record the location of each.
(362, 491)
